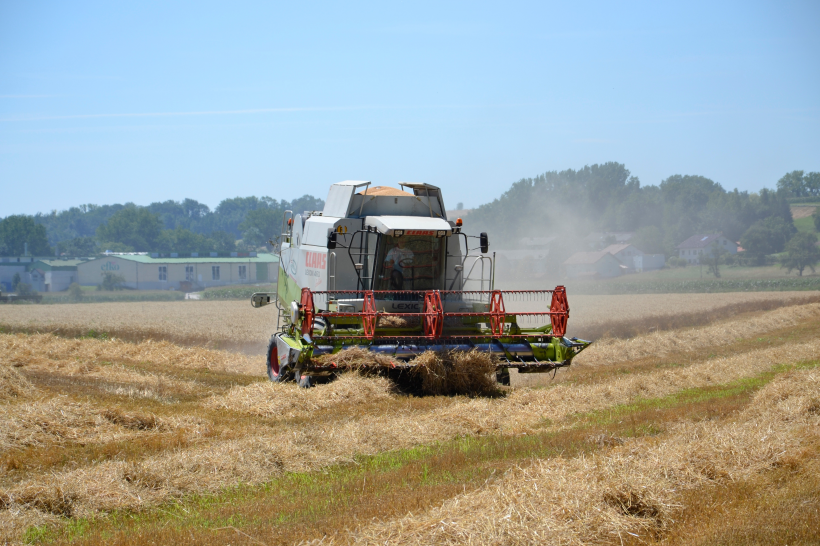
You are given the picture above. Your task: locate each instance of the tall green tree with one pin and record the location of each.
(800, 184)
(268, 222)
(812, 183)
(802, 252)
(79, 246)
(766, 237)
(649, 239)
(132, 226)
(713, 257)
(182, 240)
(792, 184)
(222, 241)
(253, 238)
(20, 232)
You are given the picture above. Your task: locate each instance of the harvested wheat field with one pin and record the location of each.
(234, 325)
(653, 438)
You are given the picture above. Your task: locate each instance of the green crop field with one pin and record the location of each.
(805, 224)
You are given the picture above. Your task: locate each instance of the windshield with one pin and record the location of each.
(410, 262)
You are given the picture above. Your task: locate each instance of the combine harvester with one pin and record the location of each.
(384, 270)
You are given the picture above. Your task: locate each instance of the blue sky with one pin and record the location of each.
(104, 102)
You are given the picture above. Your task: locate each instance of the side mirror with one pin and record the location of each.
(331, 240)
(485, 243)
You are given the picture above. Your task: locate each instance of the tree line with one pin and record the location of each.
(608, 198)
(239, 223)
(569, 203)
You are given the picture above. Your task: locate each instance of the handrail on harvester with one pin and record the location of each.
(433, 314)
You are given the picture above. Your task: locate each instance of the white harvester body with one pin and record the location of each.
(368, 223)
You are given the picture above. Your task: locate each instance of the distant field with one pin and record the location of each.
(637, 284)
(802, 211)
(694, 272)
(224, 324)
(90, 295)
(805, 224)
(802, 216)
(238, 292)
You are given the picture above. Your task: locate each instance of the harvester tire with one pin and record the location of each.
(276, 373)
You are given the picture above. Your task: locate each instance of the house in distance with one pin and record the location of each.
(590, 265)
(693, 248)
(627, 259)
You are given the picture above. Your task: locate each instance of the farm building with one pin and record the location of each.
(11, 266)
(154, 272)
(593, 265)
(634, 259)
(648, 262)
(53, 275)
(697, 245)
(625, 253)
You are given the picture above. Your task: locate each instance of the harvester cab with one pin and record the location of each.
(384, 270)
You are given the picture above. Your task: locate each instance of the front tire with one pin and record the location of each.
(276, 372)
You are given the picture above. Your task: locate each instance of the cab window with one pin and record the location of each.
(410, 262)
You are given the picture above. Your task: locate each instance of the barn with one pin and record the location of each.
(175, 272)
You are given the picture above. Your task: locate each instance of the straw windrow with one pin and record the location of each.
(633, 489)
(287, 400)
(13, 384)
(456, 372)
(694, 340)
(47, 350)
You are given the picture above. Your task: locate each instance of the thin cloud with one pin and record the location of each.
(439, 28)
(172, 114)
(26, 96)
(249, 111)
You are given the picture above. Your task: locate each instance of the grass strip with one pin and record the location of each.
(298, 506)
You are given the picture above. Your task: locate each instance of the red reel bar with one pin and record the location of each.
(433, 314)
(369, 315)
(559, 311)
(497, 313)
(308, 310)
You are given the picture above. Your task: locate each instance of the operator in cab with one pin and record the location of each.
(397, 259)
